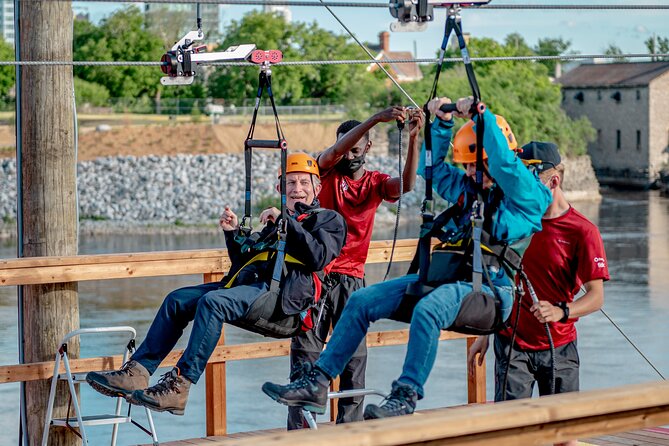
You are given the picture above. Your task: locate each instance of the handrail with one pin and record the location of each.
(41, 270)
(212, 263)
(222, 353)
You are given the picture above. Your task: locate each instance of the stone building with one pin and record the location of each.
(628, 105)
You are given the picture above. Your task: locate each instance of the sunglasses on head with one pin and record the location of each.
(538, 165)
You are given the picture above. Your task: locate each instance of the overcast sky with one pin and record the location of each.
(590, 32)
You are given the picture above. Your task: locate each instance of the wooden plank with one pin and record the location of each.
(42, 270)
(222, 353)
(100, 259)
(57, 274)
(548, 419)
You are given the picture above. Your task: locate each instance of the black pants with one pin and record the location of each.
(308, 346)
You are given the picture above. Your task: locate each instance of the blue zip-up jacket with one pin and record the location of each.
(525, 199)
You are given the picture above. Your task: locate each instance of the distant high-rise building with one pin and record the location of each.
(7, 20)
(210, 13)
(281, 10)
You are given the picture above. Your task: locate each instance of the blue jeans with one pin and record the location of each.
(209, 306)
(434, 312)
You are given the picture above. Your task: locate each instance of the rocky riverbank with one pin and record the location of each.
(185, 193)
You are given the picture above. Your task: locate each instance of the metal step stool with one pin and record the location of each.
(311, 421)
(79, 420)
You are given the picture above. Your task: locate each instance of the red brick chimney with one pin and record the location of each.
(384, 41)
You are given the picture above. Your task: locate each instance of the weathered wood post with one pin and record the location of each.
(48, 186)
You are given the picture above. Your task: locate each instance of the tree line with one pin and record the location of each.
(522, 91)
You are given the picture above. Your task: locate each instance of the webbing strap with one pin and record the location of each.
(453, 25)
(264, 81)
(263, 257)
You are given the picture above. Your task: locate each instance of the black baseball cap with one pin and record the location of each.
(540, 155)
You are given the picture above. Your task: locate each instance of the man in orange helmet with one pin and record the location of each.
(514, 201)
(314, 236)
(356, 193)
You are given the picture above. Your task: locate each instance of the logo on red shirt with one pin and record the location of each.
(600, 262)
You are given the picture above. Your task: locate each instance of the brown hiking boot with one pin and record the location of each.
(122, 382)
(169, 395)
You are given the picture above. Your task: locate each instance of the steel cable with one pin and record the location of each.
(555, 6)
(135, 63)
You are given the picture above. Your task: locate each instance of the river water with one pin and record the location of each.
(634, 228)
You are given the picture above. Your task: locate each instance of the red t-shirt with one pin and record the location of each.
(356, 201)
(566, 253)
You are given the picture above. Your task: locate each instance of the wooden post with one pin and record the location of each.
(49, 197)
(334, 408)
(476, 392)
(215, 391)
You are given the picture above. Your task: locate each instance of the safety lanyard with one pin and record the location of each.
(453, 25)
(265, 59)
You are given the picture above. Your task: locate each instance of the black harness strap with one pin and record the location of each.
(265, 81)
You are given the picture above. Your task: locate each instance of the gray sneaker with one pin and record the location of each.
(130, 377)
(169, 395)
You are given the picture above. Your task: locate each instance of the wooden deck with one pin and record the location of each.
(655, 436)
(618, 416)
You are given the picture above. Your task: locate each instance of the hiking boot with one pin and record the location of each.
(131, 376)
(169, 395)
(401, 401)
(308, 390)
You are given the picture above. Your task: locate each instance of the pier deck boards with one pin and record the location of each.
(643, 437)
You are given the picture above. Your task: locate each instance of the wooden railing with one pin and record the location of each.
(212, 263)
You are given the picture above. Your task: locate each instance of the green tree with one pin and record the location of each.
(169, 24)
(6, 72)
(90, 93)
(551, 47)
(297, 41)
(121, 36)
(613, 50)
(658, 45)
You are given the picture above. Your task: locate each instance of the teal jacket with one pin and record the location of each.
(524, 200)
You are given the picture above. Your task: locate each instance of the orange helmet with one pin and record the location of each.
(301, 162)
(464, 143)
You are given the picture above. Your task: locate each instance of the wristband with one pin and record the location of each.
(565, 309)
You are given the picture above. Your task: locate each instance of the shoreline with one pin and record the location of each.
(385, 219)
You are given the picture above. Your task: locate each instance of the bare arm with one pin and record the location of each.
(392, 186)
(591, 301)
(328, 158)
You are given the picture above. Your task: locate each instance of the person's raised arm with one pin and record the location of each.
(328, 158)
(417, 119)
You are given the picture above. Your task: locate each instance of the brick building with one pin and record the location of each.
(402, 72)
(628, 105)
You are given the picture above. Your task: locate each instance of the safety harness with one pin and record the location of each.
(462, 252)
(266, 316)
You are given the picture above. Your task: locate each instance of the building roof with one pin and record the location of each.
(403, 71)
(614, 74)
(400, 71)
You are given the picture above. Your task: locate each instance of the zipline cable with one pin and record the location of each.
(136, 63)
(632, 344)
(592, 7)
(371, 56)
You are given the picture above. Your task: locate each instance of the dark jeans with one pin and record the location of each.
(208, 306)
(308, 346)
(529, 367)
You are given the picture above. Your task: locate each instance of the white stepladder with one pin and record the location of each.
(79, 420)
(311, 421)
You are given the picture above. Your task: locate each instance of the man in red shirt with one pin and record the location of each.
(356, 193)
(565, 256)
